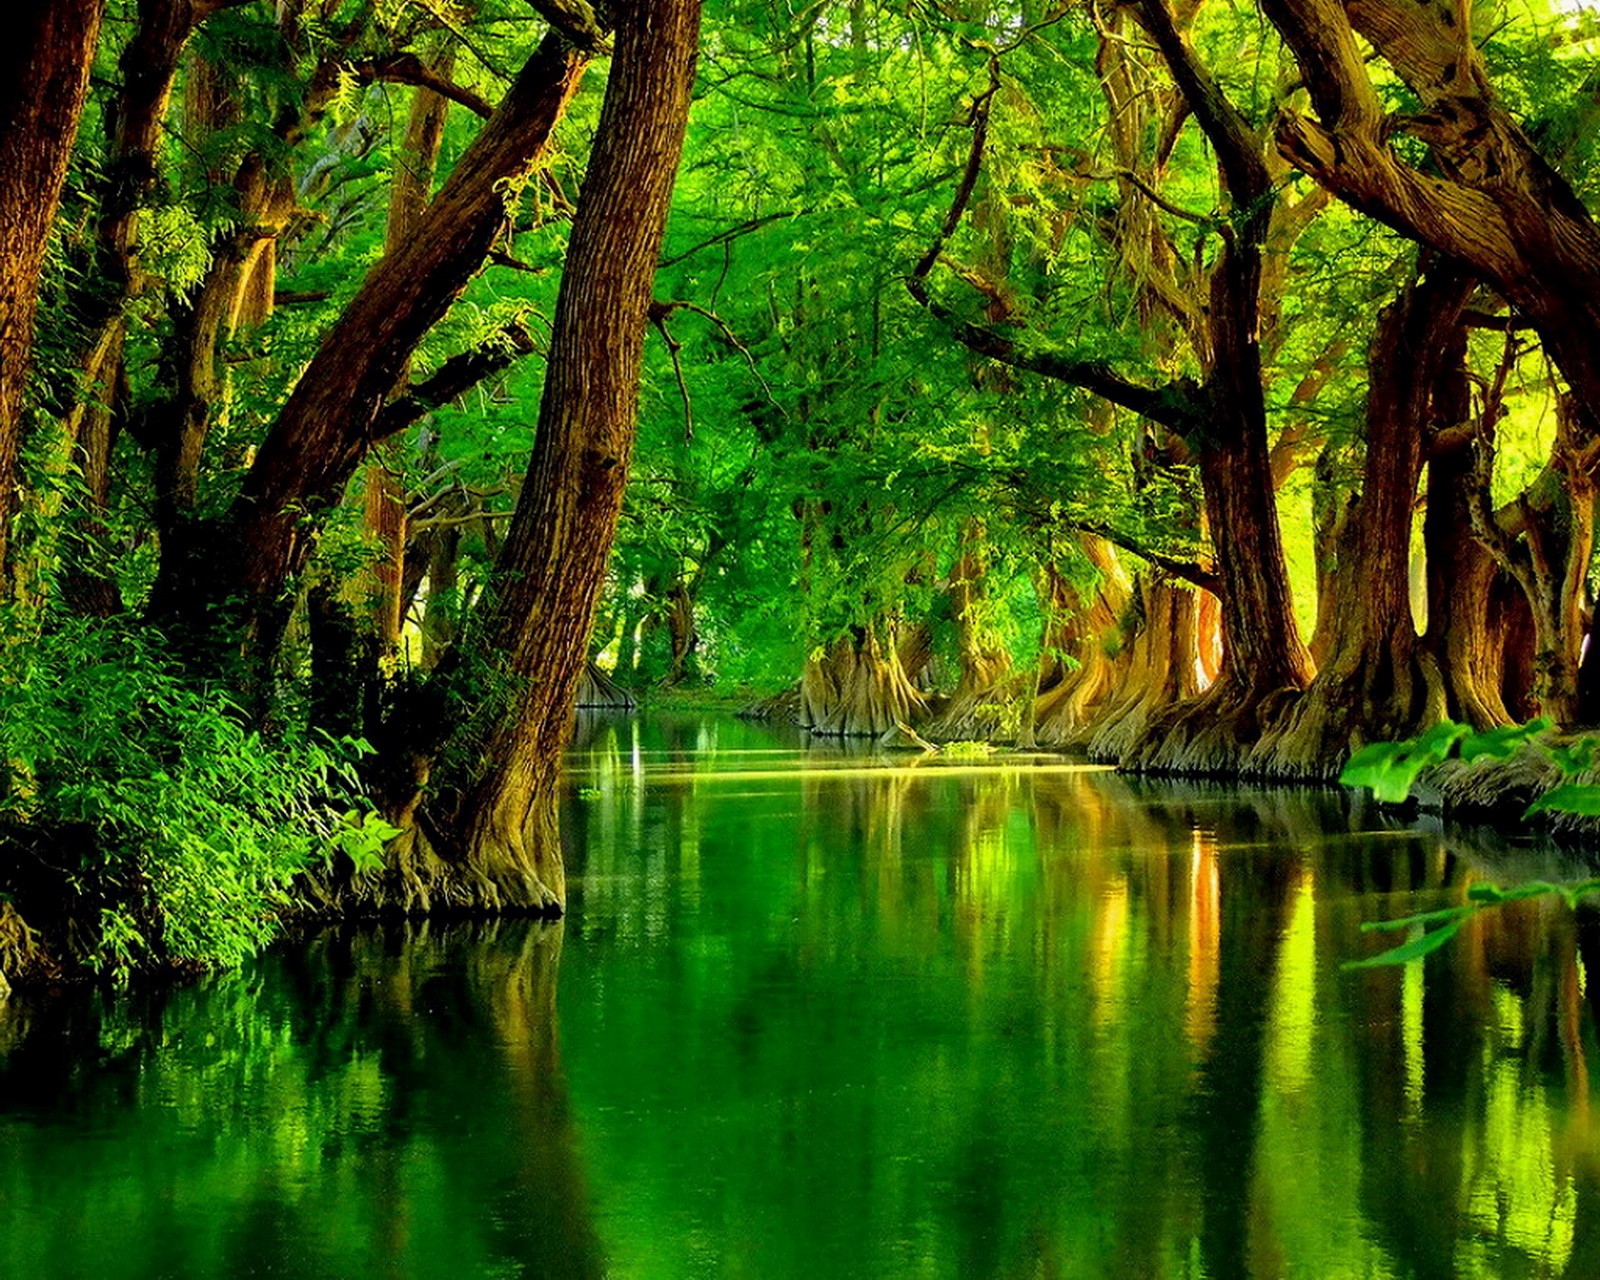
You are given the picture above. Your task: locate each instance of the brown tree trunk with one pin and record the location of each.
(1081, 626)
(1496, 204)
(332, 416)
(1264, 661)
(1466, 644)
(1544, 540)
(44, 79)
(1161, 672)
(504, 843)
(856, 687)
(1380, 683)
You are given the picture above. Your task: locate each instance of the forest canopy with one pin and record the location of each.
(1210, 387)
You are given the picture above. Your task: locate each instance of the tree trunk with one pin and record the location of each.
(856, 687)
(1496, 205)
(332, 416)
(1380, 683)
(503, 839)
(1161, 672)
(1468, 648)
(44, 79)
(1081, 626)
(976, 706)
(1545, 540)
(1264, 663)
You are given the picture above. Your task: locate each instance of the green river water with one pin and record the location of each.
(823, 1013)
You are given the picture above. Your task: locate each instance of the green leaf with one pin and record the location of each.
(1422, 918)
(1390, 768)
(1575, 758)
(1581, 798)
(1413, 949)
(1500, 744)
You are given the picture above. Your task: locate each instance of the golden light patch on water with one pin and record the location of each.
(930, 770)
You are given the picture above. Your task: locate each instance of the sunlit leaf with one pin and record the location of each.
(1581, 798)
(1414, 949)
(1501, 743)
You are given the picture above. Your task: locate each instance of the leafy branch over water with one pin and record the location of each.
(1390, 770)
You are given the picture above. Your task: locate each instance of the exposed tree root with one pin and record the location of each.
(1211, 735)
(597, 691)
(24, 956)
(857, 688)
(504, 874)
(1161, 672)
(1084, 627)
(1361, 697)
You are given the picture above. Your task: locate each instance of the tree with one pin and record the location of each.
(44, 78)
(496, 844)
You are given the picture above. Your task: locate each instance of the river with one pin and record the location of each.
(817, 1012)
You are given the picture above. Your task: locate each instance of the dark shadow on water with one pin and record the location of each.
(367, 1102)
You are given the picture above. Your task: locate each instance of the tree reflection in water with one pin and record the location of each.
(826, 1014)
(376, 1102)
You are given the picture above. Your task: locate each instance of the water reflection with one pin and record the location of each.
(374, 1103)
(1012, 1022)
(821, 1018)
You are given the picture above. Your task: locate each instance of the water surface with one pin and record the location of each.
(824, 1013)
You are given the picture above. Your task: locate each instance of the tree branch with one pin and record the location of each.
(407, 68)
(453, 379)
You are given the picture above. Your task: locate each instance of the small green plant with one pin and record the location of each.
(589, 793)
(1390, 770)
(967, 750)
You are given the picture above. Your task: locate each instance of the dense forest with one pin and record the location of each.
(1210, 388)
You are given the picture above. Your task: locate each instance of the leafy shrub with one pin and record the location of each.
(170, 828)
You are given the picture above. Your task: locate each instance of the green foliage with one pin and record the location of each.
(1391, 768)
(967, 750)
(174, 829)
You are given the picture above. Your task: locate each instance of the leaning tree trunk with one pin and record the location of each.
(44, 79)
(503, 844)
(1490, 199)
(332, 417)
(1379, 683)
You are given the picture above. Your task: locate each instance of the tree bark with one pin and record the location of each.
(1161, 671)
(1380, 683)
(503, 837)
(1081, 626)
(1462, 636)
(856, 686)
(44, 79)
